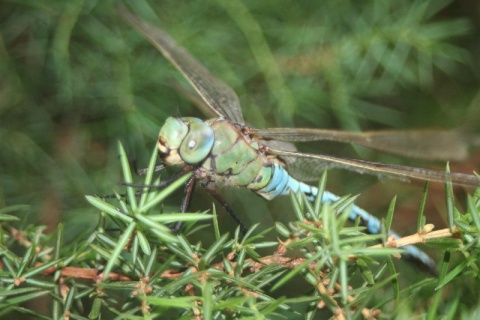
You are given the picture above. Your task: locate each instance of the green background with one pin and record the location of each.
(75, 79)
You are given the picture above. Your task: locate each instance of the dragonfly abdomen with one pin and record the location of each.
(281, 183)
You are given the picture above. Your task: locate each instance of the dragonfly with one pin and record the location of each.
(225, 151)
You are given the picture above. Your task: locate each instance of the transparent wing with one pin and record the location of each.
(421, 144)
(404, 173)
(304, 169)
(217, 95)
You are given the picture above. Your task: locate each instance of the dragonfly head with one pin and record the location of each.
(185, 141)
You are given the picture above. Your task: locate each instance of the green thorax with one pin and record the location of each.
(235, 158)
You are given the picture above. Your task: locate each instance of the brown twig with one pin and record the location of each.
(419, 237)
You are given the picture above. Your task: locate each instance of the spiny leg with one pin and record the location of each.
(143, 171)
(225, 205)
(140, 172)
(189, 187)
(162, 184)
(188, 191)
(187, 197)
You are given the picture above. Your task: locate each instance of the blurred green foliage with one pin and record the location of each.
(75, 79)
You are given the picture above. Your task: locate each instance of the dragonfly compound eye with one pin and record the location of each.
(172, 134)
(198, 143)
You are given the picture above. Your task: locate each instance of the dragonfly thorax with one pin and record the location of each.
(185, 141)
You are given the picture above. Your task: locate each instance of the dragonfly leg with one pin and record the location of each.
(225, 205)
(143, 171)
(162, 184)
(187, 197)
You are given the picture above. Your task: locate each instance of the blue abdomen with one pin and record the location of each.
(281, 183)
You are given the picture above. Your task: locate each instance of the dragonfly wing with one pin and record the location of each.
(302, 169)
(404, 173)
(193, 97)
(305, 169)
(421, 144)
(277, 144)
(217, 95)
